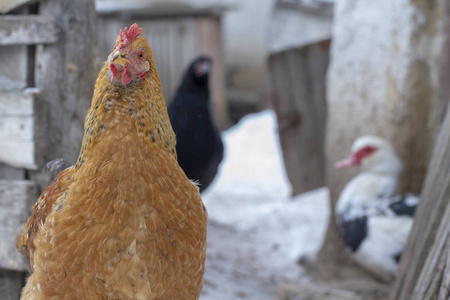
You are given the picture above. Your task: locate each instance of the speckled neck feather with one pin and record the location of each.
(142, 100)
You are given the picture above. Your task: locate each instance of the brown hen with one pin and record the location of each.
(124, 222)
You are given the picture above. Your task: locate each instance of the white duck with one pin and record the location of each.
(374, 224)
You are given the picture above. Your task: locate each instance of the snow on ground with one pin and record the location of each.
(256, 231)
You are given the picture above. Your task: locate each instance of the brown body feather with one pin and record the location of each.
(44, 204)
(124, 222)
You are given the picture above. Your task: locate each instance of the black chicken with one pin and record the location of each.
(199, 145)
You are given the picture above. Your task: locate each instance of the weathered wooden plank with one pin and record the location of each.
(10, 284)
(16, 200)
(16, 127)
(161, 9)
(297, 79)
(433, 279)
(22, 126)
(293, 28)
(444, 292)
(11, 173)
(66, 72)
(210, 43)
(444, 67)
(27, 30)
(175, 43)
(8, 5)
(420, 259)
(17, 111)
(16, 103)
(19, 154)
(13, 71)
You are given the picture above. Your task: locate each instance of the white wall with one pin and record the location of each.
(245, 31)
(383, 80)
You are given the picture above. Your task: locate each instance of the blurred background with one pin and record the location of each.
(293, 84)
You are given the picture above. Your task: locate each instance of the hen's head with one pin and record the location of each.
(373, 154)
(131, 58)
(199, 70)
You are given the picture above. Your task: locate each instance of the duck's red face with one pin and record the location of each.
(356, 158)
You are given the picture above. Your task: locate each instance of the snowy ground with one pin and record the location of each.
(257, 232)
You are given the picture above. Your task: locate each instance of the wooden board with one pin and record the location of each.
(13, 71)
(210, 43)
(16, 199)
(16, 127)
(297, 90)
(66, 72)
(10, 284)
(11, 173)
(21, 129)
(423, 267)
(8, 5)
(160, 9)
(434, 280)
(27, 30)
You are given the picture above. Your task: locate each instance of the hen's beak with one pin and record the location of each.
(118, 59)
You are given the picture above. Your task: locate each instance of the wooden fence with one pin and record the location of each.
(48, 68)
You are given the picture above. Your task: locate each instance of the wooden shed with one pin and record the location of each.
(178, 33)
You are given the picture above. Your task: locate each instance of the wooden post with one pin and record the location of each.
(434, 280)
(16, 199)
(10, 284)
(8, 5)
(22, 129)
(210, 37)
(297, 79)
(429, 217)
(66, 72)
(444, 73)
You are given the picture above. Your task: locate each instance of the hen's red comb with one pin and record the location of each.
(130, 34)
(127, 36)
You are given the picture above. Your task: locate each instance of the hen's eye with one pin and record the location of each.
(141, 55)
